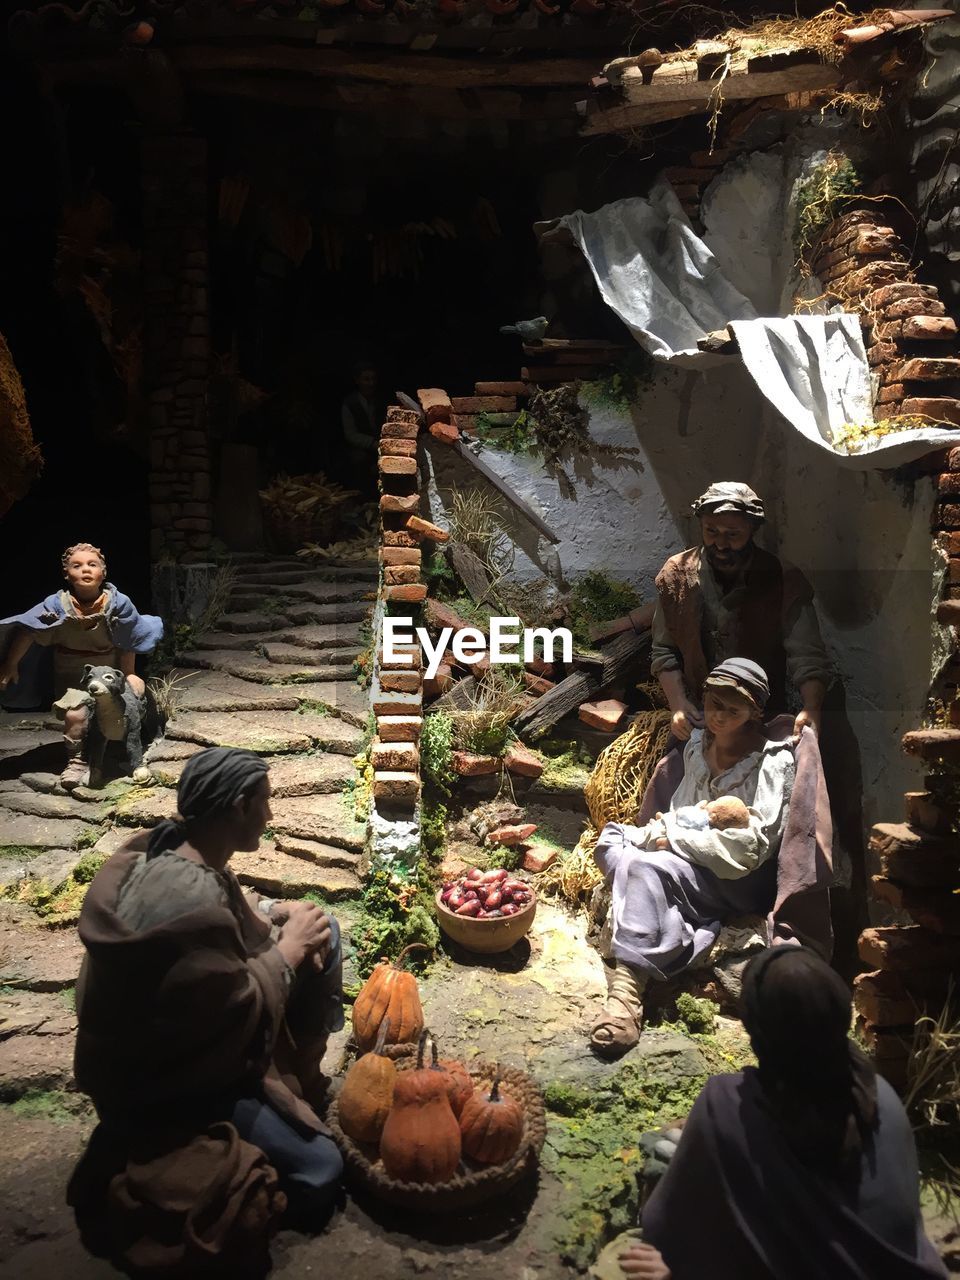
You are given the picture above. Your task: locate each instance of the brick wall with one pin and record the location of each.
(177, 344)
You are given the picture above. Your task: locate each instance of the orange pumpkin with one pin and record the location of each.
(491, 1126)
(367, 1093)
(421, 1138)
(459, 1084)
(391, 993)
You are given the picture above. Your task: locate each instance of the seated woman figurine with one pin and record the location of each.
(91, 623)
(193, 1013)
(803, 1166)
(669, 903)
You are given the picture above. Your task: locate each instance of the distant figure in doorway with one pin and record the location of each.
(361, 415)
(803, 1166)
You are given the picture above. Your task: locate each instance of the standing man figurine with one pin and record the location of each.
(730, 598)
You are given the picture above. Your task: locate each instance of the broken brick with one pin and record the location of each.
(397, 448)
(412, 654)
(890, 293)
(396, 787)
(396, 575)
(402, 504)
(435, 404)
(410, 593)
(936, 910)
(500, 388)
(893, 393)
(398, 728)
(396, 680)
(536, 684)
(940, 328)
(908, 307)
(434, 685)
(440, 615)
(469, 765)
(929, 368)
(426, 529)
(396, 413)
(538, 857)
(400, 430)
(907, 947)
(483, 404)
(388, 465)
(397, 757)
(399, 538)
(444, 432)
(522, 761)
(605, 715)
(400, 555)
(942, 410)
(511, 835)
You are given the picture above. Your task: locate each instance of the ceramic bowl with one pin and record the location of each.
(487, 936)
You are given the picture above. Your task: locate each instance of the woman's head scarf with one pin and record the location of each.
(745, 676)
(798, 1011)
(210, 783)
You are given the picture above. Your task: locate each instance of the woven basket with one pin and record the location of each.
(287, 533)
(473, 1183)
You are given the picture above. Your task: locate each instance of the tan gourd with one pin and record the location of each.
(421, 1138)
(391, 993)
(491, 1126)
(459, 1084)
(367, 1093)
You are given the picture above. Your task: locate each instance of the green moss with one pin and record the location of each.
(310, 706)
(598, 598)
(19, 852)
(87, 867)
(516, 436)
(87, 838)
(567, 766)
(60, 902)
(436, 745)
(698, 1016)
(592, 1148)
(50, 1104)
(433, 827)
(625, 385)
(396, 912)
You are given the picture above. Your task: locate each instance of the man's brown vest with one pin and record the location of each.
(773, 594)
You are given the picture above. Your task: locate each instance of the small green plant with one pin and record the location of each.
(396, 912)
(624, 385)
(433, 827)
(516, 437)
(436, 745)
(87, 838)
(822, 197)
(437, 573)
(88, 866)
(698, 1016)
(597, 598)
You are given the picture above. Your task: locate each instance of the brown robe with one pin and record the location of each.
(774, 592)
(182, 1015)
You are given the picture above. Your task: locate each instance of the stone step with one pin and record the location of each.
(267, 732)
(168, 749)
(279, 875)
(17, 742)
(206, 689)
(936, 910)
(329, 636)
(260, 562)
(345, 611)
(24, 799)
(317, 592)
(325, 819)
(283, 655)
(933, 744)
(910, 857)
(25, 831)
(326, 855)
(358, 571)
(251, 666)
(148, 807)
(343, 698)
(241, 621)
(295, 775)
(36, 1052)
(37, 959)
(908, 947)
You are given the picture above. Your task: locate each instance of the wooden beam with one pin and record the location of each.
(623, 119)
(502, 487)
(619, 656)
(679, 82)
(431, 70)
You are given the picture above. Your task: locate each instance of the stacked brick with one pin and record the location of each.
(177, 344)
(911, 963)
(910, 340)
(691, 180)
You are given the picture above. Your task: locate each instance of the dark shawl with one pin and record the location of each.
(801, 910)
(758, 1211)
(182, 1015)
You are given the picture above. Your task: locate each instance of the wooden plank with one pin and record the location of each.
(625, 119)
(678, 82)
(619, 656)
(431, 70)
(549, 375)
(471, 571)
(589, 345)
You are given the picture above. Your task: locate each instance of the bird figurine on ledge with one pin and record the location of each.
(528, 330)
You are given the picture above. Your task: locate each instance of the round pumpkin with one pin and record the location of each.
(421, 1138)
(391, 993)
(367, 1093)
(491, 1126)
(459, 1083)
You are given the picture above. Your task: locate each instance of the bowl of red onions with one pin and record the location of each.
(486, 911)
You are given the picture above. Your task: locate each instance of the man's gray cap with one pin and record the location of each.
(729, 495)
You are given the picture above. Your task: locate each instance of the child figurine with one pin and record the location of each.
(726, 813)
(91, 623)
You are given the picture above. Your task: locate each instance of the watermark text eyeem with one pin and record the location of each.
(510, 642)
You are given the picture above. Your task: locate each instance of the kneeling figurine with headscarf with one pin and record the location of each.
(201, 1024)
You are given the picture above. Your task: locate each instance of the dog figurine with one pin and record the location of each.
(116, 715)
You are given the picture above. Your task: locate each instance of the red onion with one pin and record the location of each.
(470, 908)
(474, 874)
(492, 900)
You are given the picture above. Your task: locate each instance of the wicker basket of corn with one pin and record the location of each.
(298, 509)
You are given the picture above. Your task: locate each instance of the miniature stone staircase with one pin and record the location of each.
(276, 677)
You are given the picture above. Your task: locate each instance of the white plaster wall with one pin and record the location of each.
(863, 538)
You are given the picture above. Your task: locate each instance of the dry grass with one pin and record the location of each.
(474, 523)
(483, 727)
(165, 693)
(223, 584)
(932, 1100)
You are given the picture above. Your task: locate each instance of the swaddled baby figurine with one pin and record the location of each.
(718, 815)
